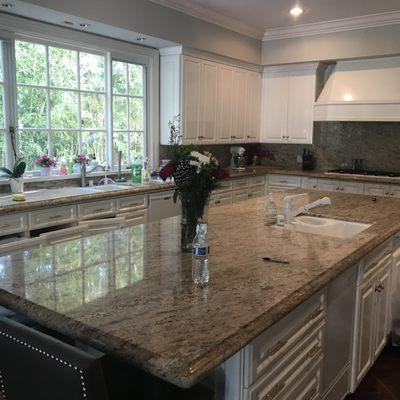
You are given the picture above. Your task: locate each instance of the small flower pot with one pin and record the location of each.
(45, 171)
(17, 185)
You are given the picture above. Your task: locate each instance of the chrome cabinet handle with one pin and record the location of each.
(56, 216)
(279, 345)
(314, 351)
(275, 391)
(341, 189)
(315, 314)
(201, 137)
(167, 198)
(233, 137)
(100, 210)
(387, 252)
(312, 396)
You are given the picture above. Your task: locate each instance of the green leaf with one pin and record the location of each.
(6, 171)
(19, 168)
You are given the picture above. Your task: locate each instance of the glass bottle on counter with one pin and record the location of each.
(146, 176)
(137, 171)
(200, 252)
(270, 210)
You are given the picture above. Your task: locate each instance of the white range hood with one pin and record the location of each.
(361, 90)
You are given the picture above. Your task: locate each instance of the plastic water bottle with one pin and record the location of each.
(200, 252)
(270, 211)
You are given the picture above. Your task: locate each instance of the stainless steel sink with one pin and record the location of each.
(326, 226)
(108, 188)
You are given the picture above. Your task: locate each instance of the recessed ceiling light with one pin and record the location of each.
(69, 23)
(141, 39)
(84, 25)
(296, 11)
(7, 5)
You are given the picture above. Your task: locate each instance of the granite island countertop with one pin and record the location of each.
(129, 292)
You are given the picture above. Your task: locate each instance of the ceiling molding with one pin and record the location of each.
(214, 17)
(339, 25)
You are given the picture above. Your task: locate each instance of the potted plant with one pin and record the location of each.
(79, 161)
(45, 162)
(16, 175)
(195, 174)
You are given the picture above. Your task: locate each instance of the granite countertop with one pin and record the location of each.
(129, 292)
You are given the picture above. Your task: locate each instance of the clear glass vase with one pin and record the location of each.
(193, 207)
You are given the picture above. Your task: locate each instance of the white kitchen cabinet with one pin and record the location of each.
(332, 185)
(376, 189)
(191, 98)
(288, 97)
(217, 102)
(162, 205)
(96, 209)
(13, 223)
(209, 103)
(253, 106)
(281, 183)
(372, 310)
(53, 216)
(239, 195)
(223, 198)
(309, 183)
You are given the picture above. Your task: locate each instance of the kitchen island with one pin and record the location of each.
(129, 292)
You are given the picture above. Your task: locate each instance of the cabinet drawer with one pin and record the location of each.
(257, 180)
(375, 189)
(374, 260)
(282, 383)
(257, 191)
(13, 223)
(268, 349)
(96, 209)
(284, 180)
(223, 198)
(309, 183)
(132, 203)
(224, 186)
(240, 183)
(52, 217)
(135, 217)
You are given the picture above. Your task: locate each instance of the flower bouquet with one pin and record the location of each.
(196, 175)
(81, 159)
(45, 162)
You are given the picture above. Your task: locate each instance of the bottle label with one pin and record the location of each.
(201, 251)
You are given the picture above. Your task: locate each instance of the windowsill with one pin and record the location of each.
(89, 175)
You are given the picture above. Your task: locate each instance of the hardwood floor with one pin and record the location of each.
(383, 380)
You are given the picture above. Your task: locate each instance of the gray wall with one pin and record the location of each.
(152, 19)
(368, 42)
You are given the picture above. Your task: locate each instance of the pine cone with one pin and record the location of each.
(183, 175)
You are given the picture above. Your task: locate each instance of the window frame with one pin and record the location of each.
(18, 28)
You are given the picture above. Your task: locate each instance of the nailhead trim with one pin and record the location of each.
(2, 389)
(44, 353)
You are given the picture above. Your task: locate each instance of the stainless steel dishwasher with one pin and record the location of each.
(162, 206)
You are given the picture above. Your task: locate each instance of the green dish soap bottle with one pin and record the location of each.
(137, 171)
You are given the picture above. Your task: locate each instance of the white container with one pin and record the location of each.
(44, 171)
(17, 185)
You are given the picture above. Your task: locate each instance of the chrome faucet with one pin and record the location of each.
(83, 173)
(288, 204)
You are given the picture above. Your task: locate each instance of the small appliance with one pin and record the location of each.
(238, 160)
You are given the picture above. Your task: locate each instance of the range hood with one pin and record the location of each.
(361, 90)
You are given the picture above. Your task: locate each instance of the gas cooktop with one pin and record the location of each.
(365, 173)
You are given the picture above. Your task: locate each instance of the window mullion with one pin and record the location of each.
(78, 77)
(109, 113)
(128, 115)
(48, 105)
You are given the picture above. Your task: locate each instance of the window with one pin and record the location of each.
(128, 110)
(61, 97)
(69, 92)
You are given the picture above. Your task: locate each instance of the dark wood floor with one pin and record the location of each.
(383, 380)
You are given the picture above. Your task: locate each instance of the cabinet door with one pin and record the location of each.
(364, 329)
(300, 114)
(239, 119)
(274, 108)
(226, 106)
(191, 86)
(209, 108)
(394, 190)
(253, 106)
(309, 183)
(351, 187)
(382, 309)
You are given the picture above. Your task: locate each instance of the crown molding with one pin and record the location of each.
(339, 25)
(213, 17)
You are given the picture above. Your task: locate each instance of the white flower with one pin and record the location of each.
(203, 159)
(196, 164)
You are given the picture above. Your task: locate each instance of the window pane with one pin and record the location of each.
(92, 71)
(92, 111)
(32, 145)
(94, 143)
(1, 61)
(119, 77)
(136, 145)
(135, 80)
(63, 68)
(65, 145)
(120, 113)
(136, 114)
(31, 63)
(64, 109)
(2, 125)
(32, 107)
(2, 150)
(121, 144)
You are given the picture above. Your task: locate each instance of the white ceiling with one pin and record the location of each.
(254, 17)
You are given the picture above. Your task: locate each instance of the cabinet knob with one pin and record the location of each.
(342, 189)
(233, 137)
(200, 137)
(387, 194)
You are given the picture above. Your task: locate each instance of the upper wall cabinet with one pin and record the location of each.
(288, 97)
(217, 102)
